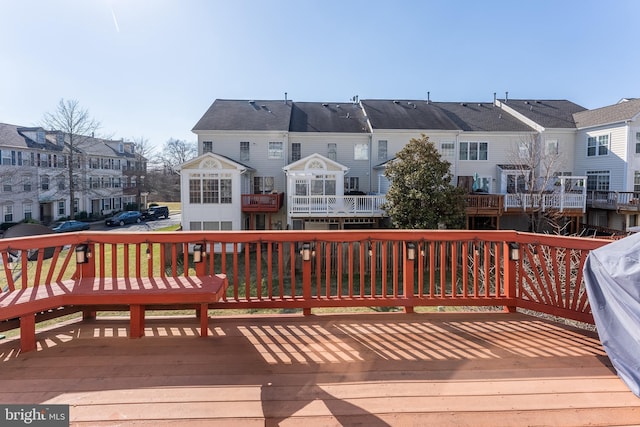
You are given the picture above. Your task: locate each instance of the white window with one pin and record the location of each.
(26, 183)
(207, 146)
(121, 148)
(8, 213)
(61, 208)
(448, 151)
(551, 147)
(6, 184)
(523, 150)
(598, 146)
(76, 205)
(332, 151)
(361, 152)
(44, 183)
(351, 183)
(6, 157)
(296, 151)
(263, 184)
(275, 150)
(210, 188)
(26, 209)
(636, 181)
(382, 149)
(637, 142)
(598, 180)
(244, 151)
(474, 150)
(60, 181)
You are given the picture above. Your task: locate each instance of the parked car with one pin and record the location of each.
(157, 212)
(69, 226)
(128, 217)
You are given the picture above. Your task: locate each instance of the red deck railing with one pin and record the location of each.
(306, 270)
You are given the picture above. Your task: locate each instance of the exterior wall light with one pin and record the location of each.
(83, 253)
(199, 253)
(306, 252)
(514, 251)
(411, 251)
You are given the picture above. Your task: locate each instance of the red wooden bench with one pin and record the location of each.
(136, 293)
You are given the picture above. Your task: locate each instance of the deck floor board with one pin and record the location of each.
(363, 369)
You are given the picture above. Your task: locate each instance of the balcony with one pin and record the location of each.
(336, 206)
(262, 203)
(628, 201)
(497, 204)
(469, 367)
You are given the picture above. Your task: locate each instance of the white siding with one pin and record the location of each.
(221, 212)
(615, 161)
(227, 143)
(312, 143)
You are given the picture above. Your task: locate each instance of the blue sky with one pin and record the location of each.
(151, 68)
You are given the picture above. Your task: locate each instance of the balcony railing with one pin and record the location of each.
(615, 200)
(262, 202)
(545, 201)
(336, 206)
(306, 270)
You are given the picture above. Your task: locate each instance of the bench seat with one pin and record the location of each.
(137, 293)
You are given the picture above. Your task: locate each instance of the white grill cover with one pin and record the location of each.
(612, 278)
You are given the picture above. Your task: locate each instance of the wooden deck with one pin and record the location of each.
(476, 369)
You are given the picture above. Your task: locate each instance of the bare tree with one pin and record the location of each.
(176, 152)
(77, 127)
(537, 166)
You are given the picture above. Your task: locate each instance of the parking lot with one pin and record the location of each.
(174, 218)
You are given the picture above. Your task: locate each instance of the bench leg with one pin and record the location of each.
(28, 332)
(203, 313)
(136, 322)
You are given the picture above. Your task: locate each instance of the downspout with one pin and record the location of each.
(370, 172)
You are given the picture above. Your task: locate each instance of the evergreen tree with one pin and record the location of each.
(421, 195)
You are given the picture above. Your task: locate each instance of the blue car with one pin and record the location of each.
(69, 226)
(128, 217)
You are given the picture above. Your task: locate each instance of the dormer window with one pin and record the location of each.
(40, 137)
(133, 149)
(60, 139)
(121, 148)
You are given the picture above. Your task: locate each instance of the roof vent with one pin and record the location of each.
(463, 104)
(337, 105)
(252, 102)
(325, 105)
(396, 102)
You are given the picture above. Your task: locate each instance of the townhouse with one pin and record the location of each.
(320, 165)
(34, 171)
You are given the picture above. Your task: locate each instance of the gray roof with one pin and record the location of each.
(10, 137)
(406, 114)
(555, 114)
(479, 116)
(327, 117)
(25, 137)
(226, 114)
(620, 112)
(423, 115)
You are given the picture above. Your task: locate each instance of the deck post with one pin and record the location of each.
(408, 276)
(306, 277)
(510, 268)
(28, 332)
